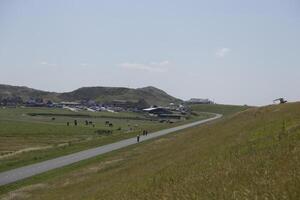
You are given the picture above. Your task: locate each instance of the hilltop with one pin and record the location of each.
(24, 92)
(152, 95)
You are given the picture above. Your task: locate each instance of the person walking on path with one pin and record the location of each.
(138, 138)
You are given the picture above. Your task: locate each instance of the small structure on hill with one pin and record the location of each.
(280, 100)
(200, 101)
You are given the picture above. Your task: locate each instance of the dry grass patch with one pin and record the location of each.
(24, 192)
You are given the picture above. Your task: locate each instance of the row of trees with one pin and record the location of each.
(17, 100)
(11, 101)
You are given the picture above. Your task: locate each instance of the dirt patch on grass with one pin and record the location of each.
(6, 154)
(13, 153)
(161, 140)
(105, 164)
(63, 145)
(23, 193)
(84, 174)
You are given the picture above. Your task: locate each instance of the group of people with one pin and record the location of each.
(145, 133)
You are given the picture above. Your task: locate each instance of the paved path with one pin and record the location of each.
(14, 175)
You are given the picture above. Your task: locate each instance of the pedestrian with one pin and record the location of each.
(68, 124)
(146, 133)
(138, 138)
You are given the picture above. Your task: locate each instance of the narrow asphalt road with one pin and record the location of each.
(14, 175)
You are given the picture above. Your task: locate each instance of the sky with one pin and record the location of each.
(231, 51)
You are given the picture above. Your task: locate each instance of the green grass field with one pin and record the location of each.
(218, 108)
(29, 135)
(250, 155)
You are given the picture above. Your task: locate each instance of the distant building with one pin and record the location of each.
(164, 113)
(129, 105)
(88, 103)
(70, 104)
(157, 111)
(35, 102)
(200, 101)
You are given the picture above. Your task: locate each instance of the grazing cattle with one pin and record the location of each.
(53, 118)
(103, 132)
(110, 125)
(107, 123)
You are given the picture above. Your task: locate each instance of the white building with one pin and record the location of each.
(200, 101)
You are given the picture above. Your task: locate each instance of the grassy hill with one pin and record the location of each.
(151, 95)
(218, 108)
(250, 155)
(24, 92)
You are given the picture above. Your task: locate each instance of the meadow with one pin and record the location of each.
(29, 135)
(219, 108)
(253, 154)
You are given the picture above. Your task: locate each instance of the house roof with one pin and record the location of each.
(153, 108)
(69, 103)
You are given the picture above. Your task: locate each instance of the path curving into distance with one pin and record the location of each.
(21, 173)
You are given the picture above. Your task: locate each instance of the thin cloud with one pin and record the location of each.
(83, 64)
(151, 67)
(222, 52)
(43, 63)
(162, 63)
(48, 64)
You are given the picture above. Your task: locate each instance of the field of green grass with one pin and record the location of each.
(218, 108)
(29, 135)
(250, 155)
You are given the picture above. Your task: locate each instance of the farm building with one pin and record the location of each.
(157, 111)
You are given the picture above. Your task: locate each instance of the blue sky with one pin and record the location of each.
(232, 51)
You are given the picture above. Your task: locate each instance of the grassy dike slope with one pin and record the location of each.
(250, 155)
(218, 108)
